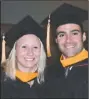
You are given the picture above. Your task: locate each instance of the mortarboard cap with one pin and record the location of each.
(67, 13)
(26, 26)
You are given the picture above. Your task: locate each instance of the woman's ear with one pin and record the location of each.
(56, 40)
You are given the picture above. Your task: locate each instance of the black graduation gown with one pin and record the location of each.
(54, 70)
(74, 85)
(18, 89)
(77, 81)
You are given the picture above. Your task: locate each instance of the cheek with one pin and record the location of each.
(61, 40)
(77, 39)
(20, 57)
(37, 54)
(37, 51)
(20, 52)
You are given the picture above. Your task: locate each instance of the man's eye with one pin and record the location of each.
(76, 33)
(61, 35)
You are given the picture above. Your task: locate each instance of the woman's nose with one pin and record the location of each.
(30, 51)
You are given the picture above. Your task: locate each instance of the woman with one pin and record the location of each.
(24, 67)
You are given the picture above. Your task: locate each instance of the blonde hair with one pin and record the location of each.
(10, 65)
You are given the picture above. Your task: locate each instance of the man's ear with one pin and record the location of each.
(84, 36)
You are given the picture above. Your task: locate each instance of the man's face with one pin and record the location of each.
(70, 39)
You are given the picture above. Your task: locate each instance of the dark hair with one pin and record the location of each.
(55, 27)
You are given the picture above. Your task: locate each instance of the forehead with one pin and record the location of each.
(69, 26)
(29, 39)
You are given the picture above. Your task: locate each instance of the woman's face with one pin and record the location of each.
(28, 49)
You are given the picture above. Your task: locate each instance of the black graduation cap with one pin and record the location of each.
(26, 26)
(66, 13)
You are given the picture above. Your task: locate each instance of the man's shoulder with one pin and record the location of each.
(78, 75)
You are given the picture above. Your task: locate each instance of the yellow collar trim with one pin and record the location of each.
(69, 61)
(24, 76)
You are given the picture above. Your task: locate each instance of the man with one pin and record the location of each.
(70, 38)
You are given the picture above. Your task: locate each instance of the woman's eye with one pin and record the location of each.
(35, 47)
(23, 46)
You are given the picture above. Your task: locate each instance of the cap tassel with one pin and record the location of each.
(48, 39)
(3, 58)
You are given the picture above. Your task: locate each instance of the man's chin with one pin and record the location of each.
(70, 55)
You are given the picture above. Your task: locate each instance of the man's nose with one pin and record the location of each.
(68, 38)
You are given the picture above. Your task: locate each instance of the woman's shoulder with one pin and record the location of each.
(6, 81)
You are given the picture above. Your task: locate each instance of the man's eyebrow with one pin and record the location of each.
(75, 30)
(60, 32)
